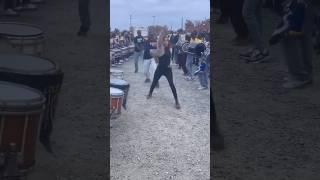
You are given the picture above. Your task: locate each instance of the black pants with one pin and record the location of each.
(236, 17)
(21, 2)
(225, 8)
(167, 72)
(9, 4)
(182, 58)
(84, 14)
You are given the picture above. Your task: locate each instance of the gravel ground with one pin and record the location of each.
(79, 135)
(270, 132)
(153, 140)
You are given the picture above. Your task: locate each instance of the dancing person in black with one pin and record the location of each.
(164, 68)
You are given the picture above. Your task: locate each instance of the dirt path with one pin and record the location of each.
(270, 132)
(153, 140)
(79, 138)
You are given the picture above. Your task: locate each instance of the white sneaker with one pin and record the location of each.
(202, 88)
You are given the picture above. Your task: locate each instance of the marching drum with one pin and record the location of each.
(29, 39)
(41, 74)
(116, 73)
(21, 109)
(124, 86)
(116, 98)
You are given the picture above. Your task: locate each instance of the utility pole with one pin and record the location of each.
(130, 20)
(182, 23)
(154, 20)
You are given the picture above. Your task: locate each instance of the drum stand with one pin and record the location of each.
(10, 165)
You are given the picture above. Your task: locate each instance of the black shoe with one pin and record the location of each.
(147, 80)
(149, 96)
(218, 142)
(178, 105)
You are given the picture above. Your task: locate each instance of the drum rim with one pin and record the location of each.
(118, 84)
(25, 72)
(18, 105)
(24, 24)
(117, 95)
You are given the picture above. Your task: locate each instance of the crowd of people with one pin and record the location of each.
(297, 32)
(166, 50)
(294, 32)
(121, 39)
(14, 8)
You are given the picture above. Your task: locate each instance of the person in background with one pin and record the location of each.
(190, 57)
(252, 13)
(138, 48)
(9, 7)
(182, 56)
(84, 13)
(173, 41)
(238, 23)
(147, 58)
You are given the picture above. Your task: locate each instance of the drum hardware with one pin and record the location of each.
(194, 49)
(21, 112)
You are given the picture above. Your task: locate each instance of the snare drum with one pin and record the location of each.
(41, 74)
(124, 86)
(29, 39)
(21, 109)
(116, 98)
(116, 73)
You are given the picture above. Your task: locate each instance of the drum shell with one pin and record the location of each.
(48, 84)
(125, 88)
(12, 130)
(19, 124)
(115, 103)
(31, 45)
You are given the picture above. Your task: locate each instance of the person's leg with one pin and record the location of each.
(306, 45)
(189, 64)
(183, 63)
(251, 11)
(136, 61)
(237, 21)
(146, 69)
(157, 75)
(217, 142)
(84, 14)
(169, 76)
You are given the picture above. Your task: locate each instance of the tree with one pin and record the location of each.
(189, 26)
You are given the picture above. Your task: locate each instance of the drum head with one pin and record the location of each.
(115, 71)
(19, 30)
(16, 97)
(116, 92)
(26, 64)
(119, 82)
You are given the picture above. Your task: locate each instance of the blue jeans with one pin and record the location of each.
(189, 64)
(203, 78)
(136, 56)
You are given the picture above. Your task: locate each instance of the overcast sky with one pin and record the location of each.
(166, 12)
